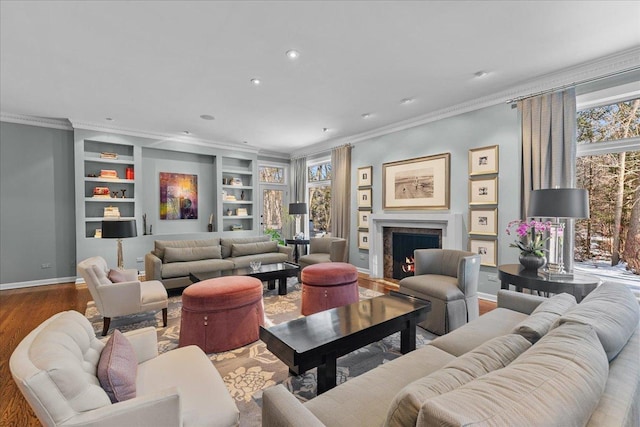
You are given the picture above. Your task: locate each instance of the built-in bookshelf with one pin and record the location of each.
(237, 194)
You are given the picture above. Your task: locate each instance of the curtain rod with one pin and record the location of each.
(568, 85)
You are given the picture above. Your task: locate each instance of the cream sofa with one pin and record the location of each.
(55, 368)
(582, 369)
(171, 261)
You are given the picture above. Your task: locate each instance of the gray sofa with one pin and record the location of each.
(532, 361)
(171, 261)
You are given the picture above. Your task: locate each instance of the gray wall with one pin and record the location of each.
(497, 125)
(37, 211)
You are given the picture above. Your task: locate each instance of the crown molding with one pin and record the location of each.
(621, 62)
(43, 122)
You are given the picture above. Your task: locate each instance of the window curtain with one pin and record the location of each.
(341, 191)
(549, 151)
(298, 184)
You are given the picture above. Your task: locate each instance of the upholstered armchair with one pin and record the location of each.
(449, 279)
(324, 249)
(115, 299)
(60, 369)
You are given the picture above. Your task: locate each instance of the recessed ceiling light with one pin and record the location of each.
(325, 129)
(207, 117)
(256, 82)
(407, 100)
(480, 73)
(186, 132)
(293, 54)
(109, 119)
(366, 115)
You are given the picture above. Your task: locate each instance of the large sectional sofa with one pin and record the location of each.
(530, 362)
(171, 261)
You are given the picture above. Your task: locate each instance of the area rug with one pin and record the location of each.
(248, 370)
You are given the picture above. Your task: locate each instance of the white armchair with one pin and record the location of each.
(122, 298)
(55, 368)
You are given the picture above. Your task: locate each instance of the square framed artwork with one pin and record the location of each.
(420, 183)
(488, 250)
(363, 240)
(363, 219)
(364, 198)
(365, 176)
(483, 191)
(483, 222)
(178, 196)
(483, 161)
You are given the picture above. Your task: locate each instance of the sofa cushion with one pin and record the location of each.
(494, 354)
(227, 243)
(191, 254)
(182, 269)
(160, 245)
(253, 248)
(544, 316)
(117, 276)
(613, 312)
(557, 382)
(117, 368)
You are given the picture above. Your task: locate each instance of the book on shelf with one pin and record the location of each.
(108, 173)
(107, 155)
(241, 212)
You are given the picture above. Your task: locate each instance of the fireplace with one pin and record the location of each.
(399, 244)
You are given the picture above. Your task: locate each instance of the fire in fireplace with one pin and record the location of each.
(403, 246)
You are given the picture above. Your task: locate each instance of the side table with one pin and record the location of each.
(515, 274)
(296, 243)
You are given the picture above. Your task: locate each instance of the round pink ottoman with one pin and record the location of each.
(221, 314)
(327, 285)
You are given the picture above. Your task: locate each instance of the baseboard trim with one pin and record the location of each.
(32, 283)
(488, 297)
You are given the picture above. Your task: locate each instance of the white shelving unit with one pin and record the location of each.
(237, 194)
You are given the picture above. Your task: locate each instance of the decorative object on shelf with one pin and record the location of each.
(229, 212)
(483, 161)
(558, 203)
(151, 229)
(297, 209)
(236, 227)
(210, 225)
(111, 212)
(364, 198)
(123, 190)
(241, 212)
(365, 178)
(420, 183)
(129, 173)
(487, 249)
(531, 241)
(98, 233)
(101, 192)
(242, 195)
(108, 173)
(178, 196)
(108, 156)
(237, 182)
(483, 191)
(483, 222)
(114, 194)
(144, 224)
(119, 229)
(225, 181)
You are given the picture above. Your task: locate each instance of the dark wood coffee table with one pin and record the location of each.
(319, 339)
(269, 273)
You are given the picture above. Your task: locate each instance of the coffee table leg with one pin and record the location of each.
(327, 373)
(271, 284)
(282, 286)
(408, 337)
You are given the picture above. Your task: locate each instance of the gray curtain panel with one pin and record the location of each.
(549, 150)
(341, 192)
(298, 185)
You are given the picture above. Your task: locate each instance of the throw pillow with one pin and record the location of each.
(242, 249)
(493, 354)
(118, 368)
(117, 276)
(543, 317)
(191, 254)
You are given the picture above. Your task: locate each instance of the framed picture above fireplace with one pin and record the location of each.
(488, 250)
(420, 183)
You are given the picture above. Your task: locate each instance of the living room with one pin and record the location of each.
(48, 226)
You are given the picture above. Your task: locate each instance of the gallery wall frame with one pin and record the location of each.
(363, 240)
(365, 176)
(488, 250)
(363, 218)
(483, 160)
(483, 221)
(483, 191)
(364, 198)
(419, 183)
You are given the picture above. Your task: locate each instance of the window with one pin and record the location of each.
(273, 183)
(319, 191)
(608, 166)
(271, 174)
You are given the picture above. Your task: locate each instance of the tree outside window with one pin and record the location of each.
(319, 190)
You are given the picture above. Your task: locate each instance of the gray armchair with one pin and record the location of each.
(123, 298)
(449, 279)
(324, 249)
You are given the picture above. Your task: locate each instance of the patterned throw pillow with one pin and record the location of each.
(118, 368)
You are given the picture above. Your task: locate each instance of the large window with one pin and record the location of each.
(608, 166)
(273, 182)
(319, 190)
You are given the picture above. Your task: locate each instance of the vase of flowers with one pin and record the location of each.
(531, 242)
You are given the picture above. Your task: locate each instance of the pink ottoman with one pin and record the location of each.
(221, 314)
(327, 285)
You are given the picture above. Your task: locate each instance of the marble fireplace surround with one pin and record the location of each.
(451, 225)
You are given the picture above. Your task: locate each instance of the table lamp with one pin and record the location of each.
(298, 209)
(558, 203)
(119, 229)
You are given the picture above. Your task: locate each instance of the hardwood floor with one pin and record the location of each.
(22, 310)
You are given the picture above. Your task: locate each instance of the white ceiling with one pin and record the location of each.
(156, 66)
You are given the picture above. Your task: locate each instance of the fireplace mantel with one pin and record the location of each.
(451, 225)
